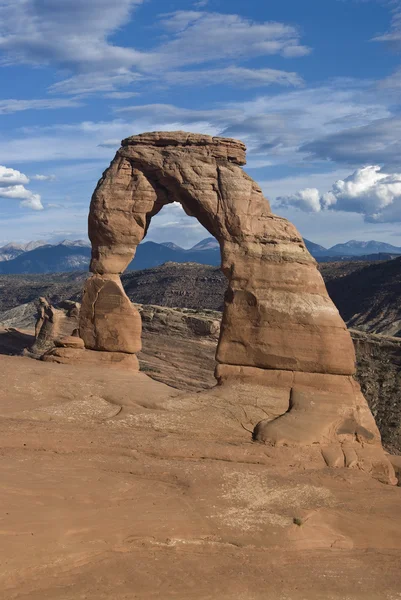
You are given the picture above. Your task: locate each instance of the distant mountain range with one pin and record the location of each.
(66, 256)
(75, 256)
(12, 250)
(355, 248)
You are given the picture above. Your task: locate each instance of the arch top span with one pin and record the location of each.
(221, 148)
(150, 170)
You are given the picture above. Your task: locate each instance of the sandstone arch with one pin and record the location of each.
(279, 325)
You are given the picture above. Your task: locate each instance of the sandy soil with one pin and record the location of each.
(116, 486)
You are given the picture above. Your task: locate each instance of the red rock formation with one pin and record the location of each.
(278, 318)
(54, 322)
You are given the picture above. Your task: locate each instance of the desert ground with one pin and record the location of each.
(118, 486)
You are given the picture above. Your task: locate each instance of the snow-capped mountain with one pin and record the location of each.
(14, 249)
(207, 244)
(357, 248)
(172, 246)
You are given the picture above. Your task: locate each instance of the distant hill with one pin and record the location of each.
(150, 254)
(357, 257)
(368, 298)
(187, 285)
(16, 290)
(315, 249)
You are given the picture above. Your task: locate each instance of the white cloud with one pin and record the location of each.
(89, 83)
(338, 121)
(76, 36)
(244, 77)
(392, 82)
(168, 113)
(13, 106)
(44, 177)
(392, 37)
(278, 127)
(34, 202)
(199, 37)
(12, 185)
(71, 33)
(288, 186)
(18, 192)
(11, 177)
(114, 143)
(121, 95)
(369, 191)
(308, 200)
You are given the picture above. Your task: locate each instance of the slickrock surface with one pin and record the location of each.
(115, 487)
(73, 356)
(179, 347)
(279, 326)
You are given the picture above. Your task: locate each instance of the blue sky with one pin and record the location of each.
(313, 88)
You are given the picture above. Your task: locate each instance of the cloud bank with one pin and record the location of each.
(76, 37)
(369, 191)
(12, 185)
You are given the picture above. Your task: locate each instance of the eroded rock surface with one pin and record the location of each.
(108, 320)
(54, 322)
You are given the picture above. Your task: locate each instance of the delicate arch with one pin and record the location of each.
(281, 335)
(277, 313)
